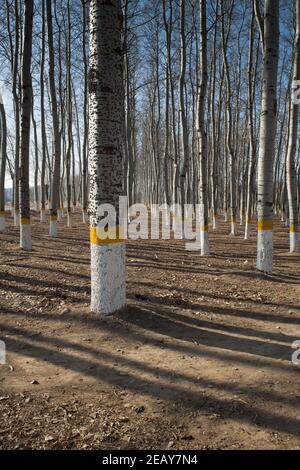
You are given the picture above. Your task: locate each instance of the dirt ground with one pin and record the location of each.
(200, 359)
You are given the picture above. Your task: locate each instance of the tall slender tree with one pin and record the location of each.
(43, 124)
(3, 159)
(270, 46)
(14, 47)
(25, 228)
(229, 136)
(84, 182)
(251, 95)
(105, 155)
(202, 132)
(55, 120)
(293, 133)
(184, 180)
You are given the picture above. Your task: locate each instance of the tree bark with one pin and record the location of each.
(25, 229)
(293, 133)
(3, 154)
(55, 121)
(105, 155)
(202, 132)
(270, 48)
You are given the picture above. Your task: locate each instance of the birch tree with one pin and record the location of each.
(84, 184)
(270, 46)
(14, 51)
(43, 125)
(229, 138)
(202, 132)
(55, 122)
(105, 156)
(184, 181)
(25, 228)
(3, 154)
(293, 132)
(252, 150)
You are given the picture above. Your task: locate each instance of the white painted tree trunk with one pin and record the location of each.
(270, 42)
(108, 291)
(293, 131)
(43, 216)
(2, 222)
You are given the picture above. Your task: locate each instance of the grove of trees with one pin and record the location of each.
(168, 102)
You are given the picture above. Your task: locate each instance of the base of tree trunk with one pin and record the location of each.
(204, 241)
(25, 237)
(43, 216)
(16, 218)
(108, 278)
(233, 229)
(2, 223)
(53, 228)
(265, 251)
(247, 230)
(84, 216)
(294, 241)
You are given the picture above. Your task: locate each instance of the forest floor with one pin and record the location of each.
(200, 359)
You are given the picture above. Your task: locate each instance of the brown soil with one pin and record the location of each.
(201, 358)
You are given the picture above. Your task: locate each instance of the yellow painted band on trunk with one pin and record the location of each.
(2, 213)
(265, 225)
(95, 240)
(24, 221)
(294, 228)
(204, 228)
(53, 218)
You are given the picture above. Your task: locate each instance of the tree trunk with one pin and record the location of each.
(105, 156)
(25, 228)
(252, 150)
(183, 121)
(57, 144)
(3, 154)
(270, 42)
(229, 140)
(293, 131)
(202, 132)
(84, 182)
(43, 126)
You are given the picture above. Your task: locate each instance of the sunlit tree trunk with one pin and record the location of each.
(105, 156)
(55, 121)
(270, 42)
(69, 117)
(293, 132)
(43, 126)
(84, 182)
(202, 132)
(25, 228)
(229, 139)
(183, 120)
(3, 155)
(252, 151)
(14, 46)
(36, 155)
(168, 27)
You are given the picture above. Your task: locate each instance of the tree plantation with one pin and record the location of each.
(149, 225)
